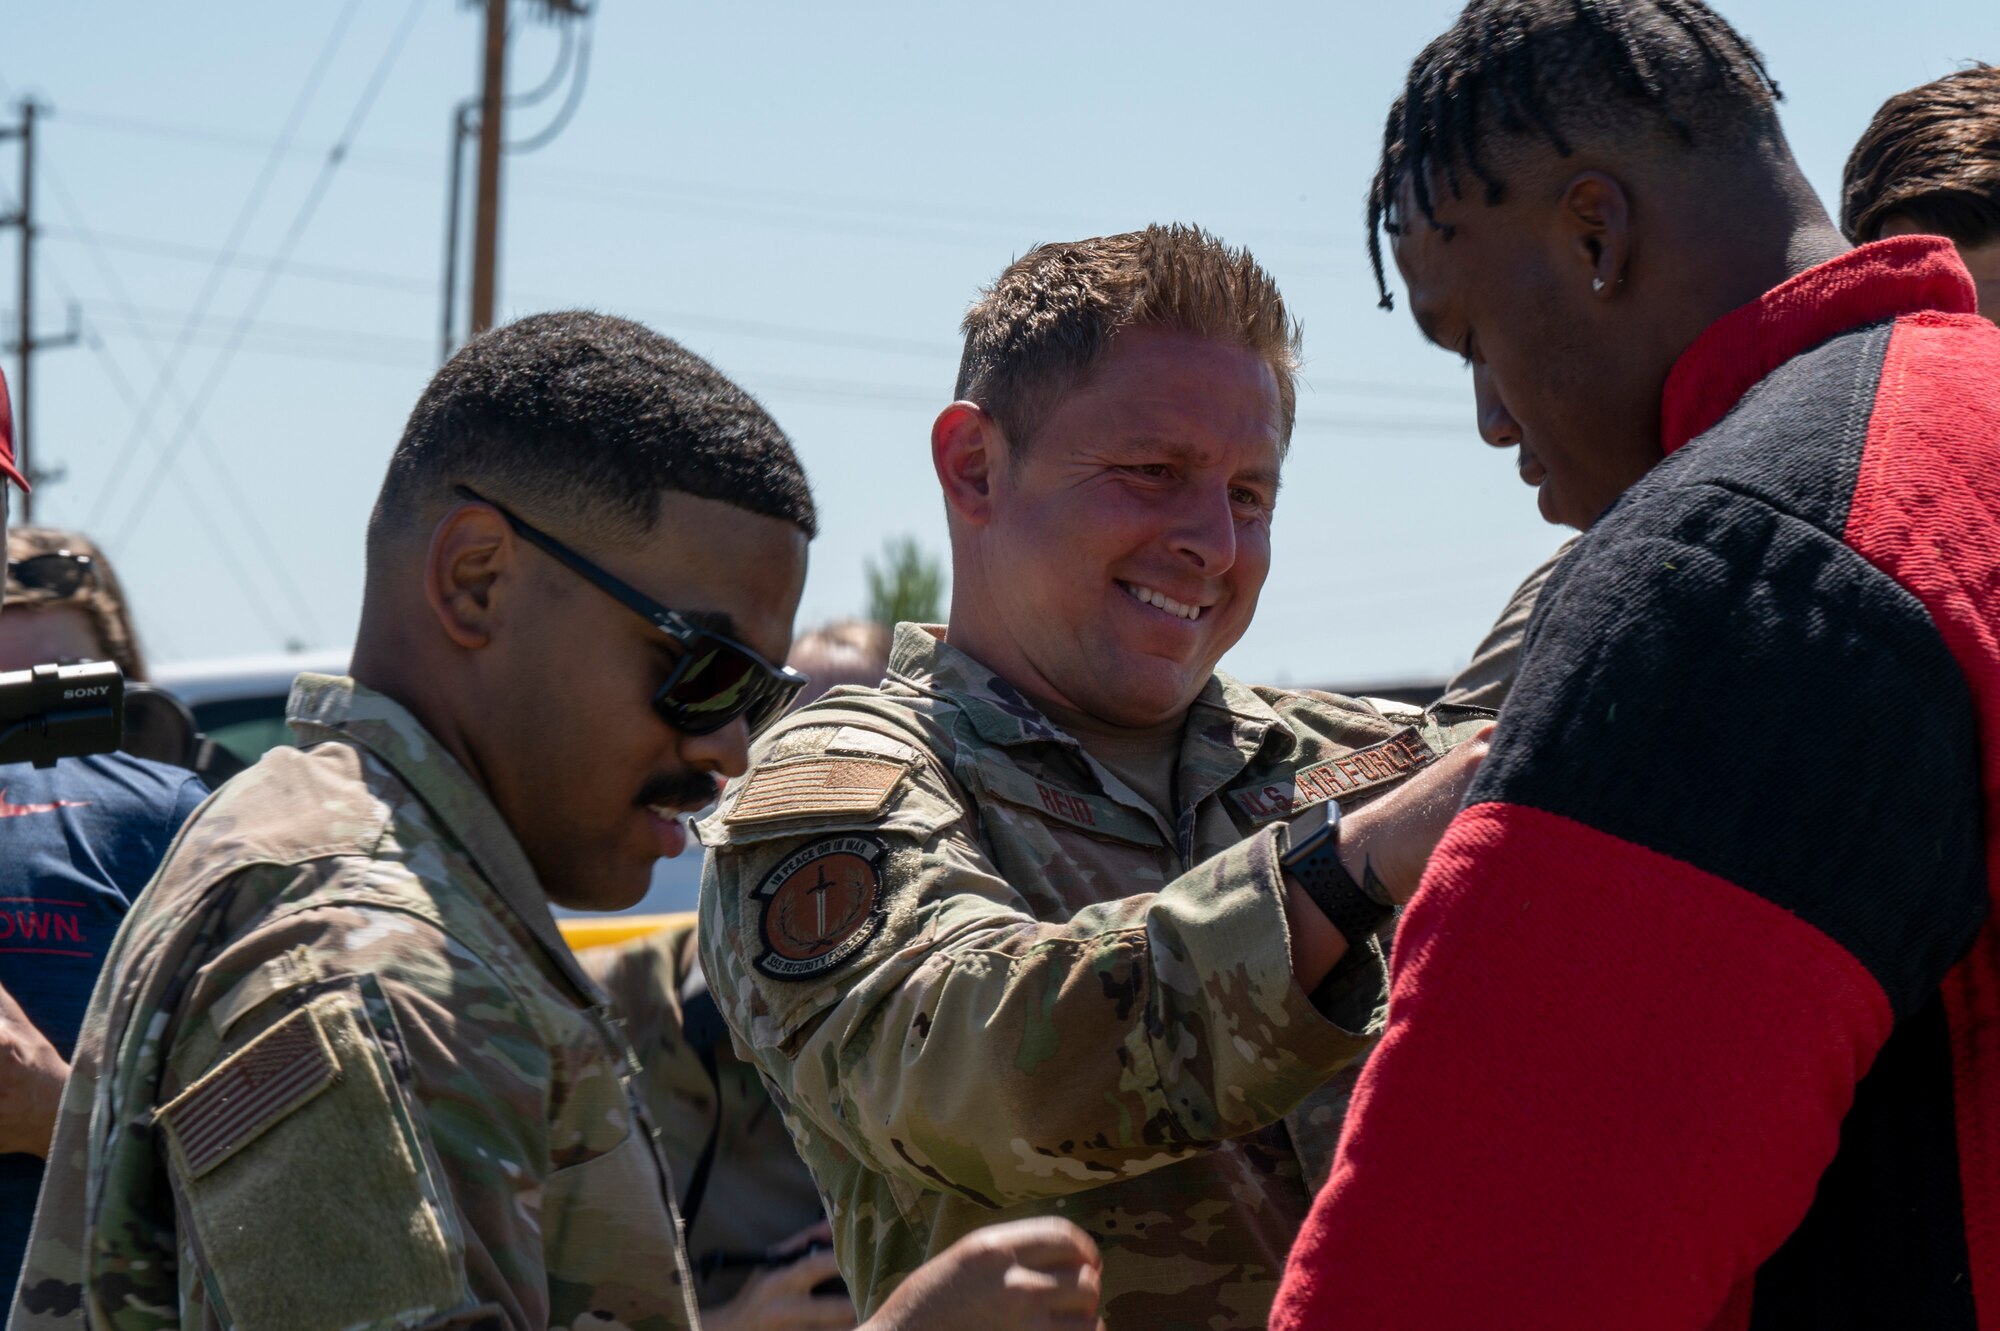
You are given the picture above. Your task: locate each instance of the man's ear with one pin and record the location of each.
(966, 449)
(1594, 218)
(471, 552)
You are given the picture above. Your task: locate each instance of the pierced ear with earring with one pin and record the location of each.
(1597, 284)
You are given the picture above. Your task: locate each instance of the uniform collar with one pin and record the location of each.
(1229, 726)
(1883, 280)
(324, 707)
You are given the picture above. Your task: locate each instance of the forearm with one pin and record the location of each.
(32, 1076)
(1117, 1040)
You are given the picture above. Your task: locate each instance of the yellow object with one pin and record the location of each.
(583, 933)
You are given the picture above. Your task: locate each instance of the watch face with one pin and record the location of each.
(1312, 827)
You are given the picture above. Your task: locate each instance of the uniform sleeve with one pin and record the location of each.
(1487, 678)
(360, 1054)
(1726, 842)
(902, 998)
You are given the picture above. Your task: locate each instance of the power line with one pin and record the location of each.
(168, 249)
(767, 206)
(548, 133)
(197, 506)
(246, 512)
(304, 217)
(670, 320)
(847, 340)
(237, 231)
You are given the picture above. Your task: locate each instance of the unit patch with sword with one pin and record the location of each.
(822, 903)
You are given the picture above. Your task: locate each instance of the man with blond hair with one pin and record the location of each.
(1056, 922)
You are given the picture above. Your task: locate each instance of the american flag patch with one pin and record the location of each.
(255, 1087)
(843, 785)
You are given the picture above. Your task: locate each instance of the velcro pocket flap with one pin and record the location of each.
(307, 1183)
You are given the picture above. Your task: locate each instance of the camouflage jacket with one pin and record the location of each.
(705, 1101)
(986, 980)
(341, 1072)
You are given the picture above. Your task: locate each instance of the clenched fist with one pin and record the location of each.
(1021, 1276)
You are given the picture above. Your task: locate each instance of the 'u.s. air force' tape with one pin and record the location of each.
(1396, 757)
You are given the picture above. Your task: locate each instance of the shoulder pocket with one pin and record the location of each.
(307, 1185)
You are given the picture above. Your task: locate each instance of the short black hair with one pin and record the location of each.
(1933, 155)
(1550, 69)
(581, 420)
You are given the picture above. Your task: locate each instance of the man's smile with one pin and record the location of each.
(1161, 601)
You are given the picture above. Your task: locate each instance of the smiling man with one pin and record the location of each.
(1693, 1021)
(342, 1070)
(1036, 928)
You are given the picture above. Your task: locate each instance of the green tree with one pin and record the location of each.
(907, 585)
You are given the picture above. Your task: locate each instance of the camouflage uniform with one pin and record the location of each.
(705, 1101)
(986, 980)
(341, 1071)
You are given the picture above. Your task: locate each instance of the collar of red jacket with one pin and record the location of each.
(1883, 280)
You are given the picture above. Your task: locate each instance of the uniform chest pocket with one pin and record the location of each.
(309, 1109)
(1061, 848)
(610, 1240)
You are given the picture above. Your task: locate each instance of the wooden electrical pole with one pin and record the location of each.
(26, 344)
(486, 217)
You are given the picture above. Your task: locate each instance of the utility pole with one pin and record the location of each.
(486, 217)
(26, 344)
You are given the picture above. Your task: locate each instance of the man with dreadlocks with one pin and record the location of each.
(1693, 1020)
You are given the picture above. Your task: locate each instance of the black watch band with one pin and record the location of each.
(1314, 861)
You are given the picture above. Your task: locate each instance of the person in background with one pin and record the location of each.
(1489, 676)
(1929, 164)
(77, 842)
(845, 651)
(756, 1232)
(757, 1238)
(65, 603)
(1692, 1019)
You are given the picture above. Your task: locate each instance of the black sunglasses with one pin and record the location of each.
(59, 571)
(716, 679)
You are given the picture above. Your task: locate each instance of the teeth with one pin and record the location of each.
(663, 811)
(1162, 600)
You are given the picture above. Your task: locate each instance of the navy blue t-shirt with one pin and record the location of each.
(77, 843)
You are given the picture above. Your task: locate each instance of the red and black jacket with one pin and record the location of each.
(1696, 1018)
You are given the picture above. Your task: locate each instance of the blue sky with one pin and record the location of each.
(809, 195)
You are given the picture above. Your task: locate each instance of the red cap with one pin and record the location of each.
(7, 467)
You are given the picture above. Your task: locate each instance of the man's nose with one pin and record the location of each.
(725, 752)
(1205, 529)
(1497, 425)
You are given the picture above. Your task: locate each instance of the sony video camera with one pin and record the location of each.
(61, 711)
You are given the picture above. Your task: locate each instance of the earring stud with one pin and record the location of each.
(1597, 284)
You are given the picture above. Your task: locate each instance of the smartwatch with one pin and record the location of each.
(1314, 862)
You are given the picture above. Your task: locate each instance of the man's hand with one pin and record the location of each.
(31, 1082)
(1025, 1274)
(780, 1298)
(1393, 836)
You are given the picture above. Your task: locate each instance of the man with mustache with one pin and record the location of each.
(1693, 1018)
(342, 1070)
(1056, 922)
